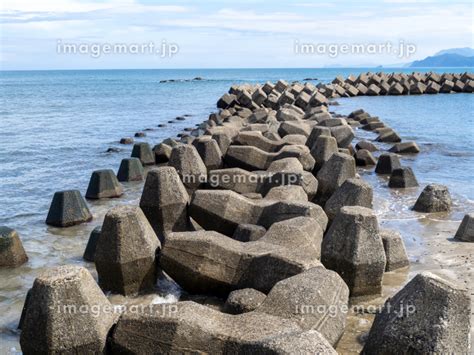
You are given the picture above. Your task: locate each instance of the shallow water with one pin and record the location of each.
(443, 129)
(56, 126)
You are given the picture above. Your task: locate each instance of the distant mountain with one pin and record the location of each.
(466, 51)
(444, 60)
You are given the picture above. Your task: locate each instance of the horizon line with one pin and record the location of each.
(234, 68)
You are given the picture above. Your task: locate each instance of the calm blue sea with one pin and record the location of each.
(56, 126)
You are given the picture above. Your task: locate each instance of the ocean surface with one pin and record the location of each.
(56, 128)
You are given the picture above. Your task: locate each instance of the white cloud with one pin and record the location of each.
(251, 33)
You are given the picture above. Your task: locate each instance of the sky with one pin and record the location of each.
(227, 34)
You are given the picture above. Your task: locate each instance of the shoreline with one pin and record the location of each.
(349, 321)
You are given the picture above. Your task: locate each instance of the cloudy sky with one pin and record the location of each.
(226, 34)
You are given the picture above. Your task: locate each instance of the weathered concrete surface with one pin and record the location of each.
(12, 253)
(126, 252)
(68, 208)
(193, 328)
(353, 248)
(50, 328)
(164, 201)
(436, 322)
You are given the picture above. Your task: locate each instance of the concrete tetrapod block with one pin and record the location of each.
(162, 153)
(208, 262)
(465, 231)
(89, 252)
(243, 301)
(248, 233)
(316, 299)
(68, 208)
(388, 136)
(283, 172)
(402, 178)
(236, 179)
(387, 163)
(289, 171)
(353, 192)
(223, 211)
(131, 169)
(67, 313)
(430, 315)
(12, 253)
(303, 233)
(364, 158)
(294, 127)
(251, 158)
(256, 139)
(209, 151)
(367, 146)
(353, 248)
(433, 198)
(343, 134)
(193, 328)
(333, 173)
(405, 148)
(104, 184)
(143, 152)
(316, 132)
(323, 148)
(126, 252)
(308, 342)
(164, 201)
(395, 251)
(189, 166)
(287, 193)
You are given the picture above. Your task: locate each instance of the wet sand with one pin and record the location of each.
(429, 242)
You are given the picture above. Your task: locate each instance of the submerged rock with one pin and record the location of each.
(126, 140)
(429, 315)
(67, 313)
(68, 208)
(12, 253)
